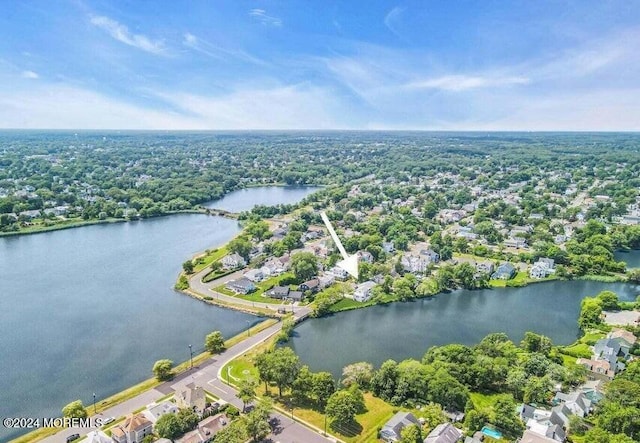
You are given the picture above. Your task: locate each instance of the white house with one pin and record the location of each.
(364, 291)
(542, 268)
(233, 261)
(255, 275)
(415, 264)
(241, 286)
(153, 413)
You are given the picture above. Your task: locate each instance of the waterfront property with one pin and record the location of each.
(444, 433)
(133, 430)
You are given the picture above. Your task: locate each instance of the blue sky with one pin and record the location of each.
(267, 64)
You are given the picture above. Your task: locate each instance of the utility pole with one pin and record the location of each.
(191, 356)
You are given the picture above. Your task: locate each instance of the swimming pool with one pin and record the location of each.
(491, 433)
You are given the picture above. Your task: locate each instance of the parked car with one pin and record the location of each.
(73, 437)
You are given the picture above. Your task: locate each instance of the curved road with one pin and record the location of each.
(208, 376)
(207, 289)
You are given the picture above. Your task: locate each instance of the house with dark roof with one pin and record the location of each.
(311, 285)
(278, 292)
(576, 401)
(505, 271)
(444, 433)
(295, 296)
(392, 429)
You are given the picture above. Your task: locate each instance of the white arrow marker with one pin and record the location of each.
(348, 263)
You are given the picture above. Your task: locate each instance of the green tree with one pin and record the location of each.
(188, 419)
(236, 432)
(169, 426)
(323, 386)
(536, 343)
(505, 418)
(257, 422)
(304, 265)
(385, 380)
(246, 391)
(163, 369)
(286, 365)
(341, 408)
(214, 342)
(75, 409)
(609, 300)
(411, 434)
(590, 313)
(188, 267)
(241, 246)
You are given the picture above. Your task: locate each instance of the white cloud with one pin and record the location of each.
(217, 52)
(30, 74)
(121, 33)
(458, 83)
(262, 17)
(59, 106)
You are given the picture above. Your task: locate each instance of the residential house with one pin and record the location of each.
(97, 437)
(576, 401)
(485, 267)
(432, 255)
(611, 350)
(327, 280)
(338, 273)
(241, 286)
(542, 268)
(505, 271)
(133, 430)
(597, 369)
(543, 422)
(191, 397)
(414, 264)
(623, 336)
(279, 292)
(364, 291)
(206, 430)
(153, 413)
(593, 390)
(391, 431)
(533, 437)
(515, 242)
(255, 275)
(312, 285)
(295, 296)
(365, 256)
(388, 247)
(444, 433)
(233, 261)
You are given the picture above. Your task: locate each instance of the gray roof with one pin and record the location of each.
(444, 433)
(279, 291)
(396, 423)
(295, 295)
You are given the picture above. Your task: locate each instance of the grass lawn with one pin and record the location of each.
(207, 259)
(347, 304)
(262, 287)
(482, 401)
(577, 350)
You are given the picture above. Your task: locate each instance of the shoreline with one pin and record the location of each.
(198, 209)
(149, 383)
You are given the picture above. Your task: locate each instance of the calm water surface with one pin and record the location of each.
(404, 330)
(246, 199)
(631, 258)
(91, 309)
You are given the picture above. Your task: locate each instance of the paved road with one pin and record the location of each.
(206, 289)
(207, 375)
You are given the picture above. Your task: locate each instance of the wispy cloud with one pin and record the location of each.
(121, 33)
(30, 74)
(197, 44)
(262, 17)
(392, 20)
(465, 82)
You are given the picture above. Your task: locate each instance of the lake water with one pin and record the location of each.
(631, 258)
(246, 199)
(91, 309)
(404, 330)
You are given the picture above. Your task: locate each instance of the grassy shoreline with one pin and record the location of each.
(149, 383)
